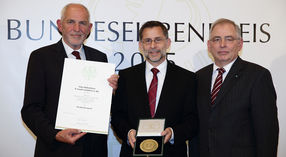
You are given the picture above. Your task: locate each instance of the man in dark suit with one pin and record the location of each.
(175, 96)
(42, 90)
(237, 104)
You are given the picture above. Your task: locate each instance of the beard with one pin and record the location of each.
(159, 55)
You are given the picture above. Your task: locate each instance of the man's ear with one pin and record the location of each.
(59, 24)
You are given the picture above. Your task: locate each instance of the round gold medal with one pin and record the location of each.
(149, 145)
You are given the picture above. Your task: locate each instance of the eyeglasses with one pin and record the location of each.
(149, 41)
(227, 39)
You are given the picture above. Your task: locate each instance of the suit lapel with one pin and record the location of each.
(207, 82)
(141, 89)
(165, 93)
(230, 80)
(60, 55)
(87, 53)
(61, 50)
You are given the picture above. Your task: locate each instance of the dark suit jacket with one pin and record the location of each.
(176, 105)
(243, 121)
(39, 111)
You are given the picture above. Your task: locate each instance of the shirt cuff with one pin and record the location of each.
(172, 140)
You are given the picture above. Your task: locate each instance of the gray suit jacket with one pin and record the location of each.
(243, 121)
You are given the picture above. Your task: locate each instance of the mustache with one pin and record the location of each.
(154, 51)
(77, 33)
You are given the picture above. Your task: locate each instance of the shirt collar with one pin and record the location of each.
(162, 67)
(69, 50)
(226, 67)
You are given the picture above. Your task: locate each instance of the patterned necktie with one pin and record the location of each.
(217, 84)
(76, 54)
(153, 91)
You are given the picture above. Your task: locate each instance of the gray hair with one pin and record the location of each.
(71, 4)
(222, 21)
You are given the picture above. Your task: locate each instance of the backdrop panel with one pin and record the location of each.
(30, 24)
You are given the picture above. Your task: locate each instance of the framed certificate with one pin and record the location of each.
(85, 96)
(149, 141)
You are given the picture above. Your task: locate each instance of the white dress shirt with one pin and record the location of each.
(215, 72)
(69, 51)
(161, 77)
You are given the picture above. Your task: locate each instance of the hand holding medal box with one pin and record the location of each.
(149, 140)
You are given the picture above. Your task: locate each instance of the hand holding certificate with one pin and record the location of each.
(85, 97)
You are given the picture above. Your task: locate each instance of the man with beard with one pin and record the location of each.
(174, 97)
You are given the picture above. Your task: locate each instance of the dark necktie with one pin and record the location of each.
(76, 54)
(153, 91)
(217, 84)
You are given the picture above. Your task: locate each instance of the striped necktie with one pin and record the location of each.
(217, 85)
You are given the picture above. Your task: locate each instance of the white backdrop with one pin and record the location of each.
(30, 24)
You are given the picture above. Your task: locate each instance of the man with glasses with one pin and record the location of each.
(173, 100)
(236, 100)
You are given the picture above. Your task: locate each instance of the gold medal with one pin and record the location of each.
(149, 145)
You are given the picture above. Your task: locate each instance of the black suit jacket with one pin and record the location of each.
(176, 105)
(243, 121)
(39, 111)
